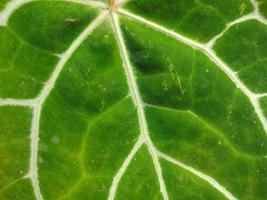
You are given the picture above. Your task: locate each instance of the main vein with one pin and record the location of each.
(138, 103)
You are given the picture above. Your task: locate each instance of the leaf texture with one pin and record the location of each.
(133, 99)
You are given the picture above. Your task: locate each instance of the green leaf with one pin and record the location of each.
(133, 99)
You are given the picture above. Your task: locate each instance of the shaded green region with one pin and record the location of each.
(218, 102)
(23, 68)
(140, 179)
(194, 142)
(200, 20)
(88, 124)
(15, 123)
(188, 80)
(3, 4)
(50, 26)
(183, 185)
(263, 7)
(19, 190)
(263, 103)
(240, 46)
(255, 76)
(163, 71)
(244, 48)
(217, 130)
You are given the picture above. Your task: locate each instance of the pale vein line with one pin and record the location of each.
(17, 102)
(257, 11)
(244, 18)
(65, 56)
(13, 5)
(205, 177)
(158, 28)
(33, 172)
(122, 2)
(121, 171)
(254, 15)
(138, 102)
(239, 84)
(7, 186)
(211, 54)
(255, 5)
(261, 95)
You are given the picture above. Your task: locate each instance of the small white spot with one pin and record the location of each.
(103, 88)
(164, 85)
(55, 139)
(103, 104)
(70, 20)
(42, 147)
(106, 36)
(40, 160)
(262, 144)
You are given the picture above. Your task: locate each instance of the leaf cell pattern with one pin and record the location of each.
(133, 99)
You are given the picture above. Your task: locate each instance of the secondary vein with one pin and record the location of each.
(254, 100)
(205, 177)
(33, 172)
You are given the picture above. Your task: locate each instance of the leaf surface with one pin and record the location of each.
(133, 100)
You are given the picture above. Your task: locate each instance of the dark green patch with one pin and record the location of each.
(50, 25)
(200, 20)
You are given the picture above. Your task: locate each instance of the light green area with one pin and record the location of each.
(15, 123)
(200, 20)
(140, 179)
(89, 122)
(183, 185)
(3, 4)
(193, 141)
(245, 51)
(23, 68)
(21, 190)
